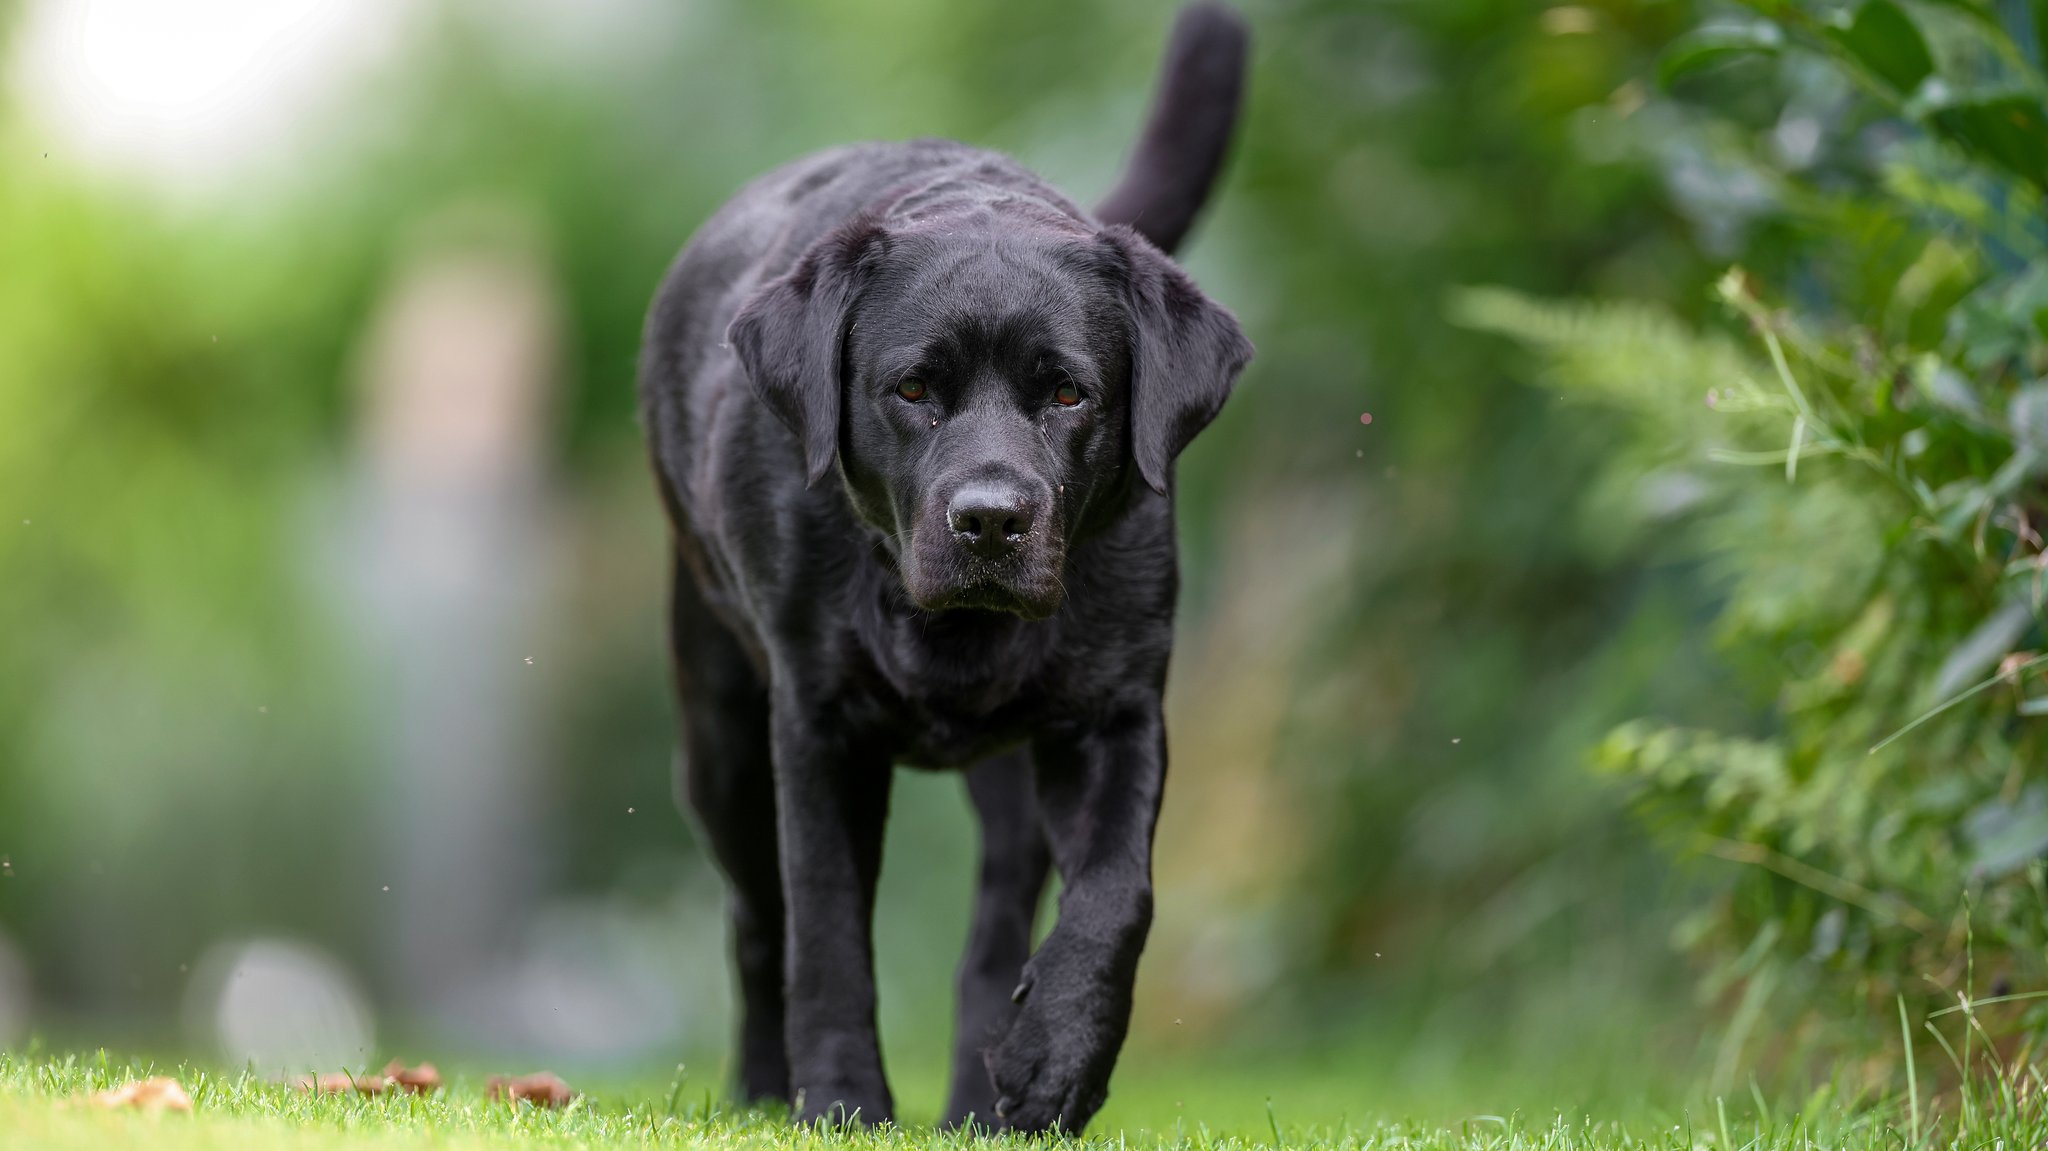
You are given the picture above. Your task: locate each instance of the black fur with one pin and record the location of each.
(1201, 86)
(913, 416)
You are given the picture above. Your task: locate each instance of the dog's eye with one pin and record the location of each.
(912, 389)
(1066, 395)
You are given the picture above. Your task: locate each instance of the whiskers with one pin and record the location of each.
(901, 539)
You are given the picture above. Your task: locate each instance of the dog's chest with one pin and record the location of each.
(949, 742)
(950, 708)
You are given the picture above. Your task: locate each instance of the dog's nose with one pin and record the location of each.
(990, 518)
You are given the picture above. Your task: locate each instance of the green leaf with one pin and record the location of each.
(1974, 9)
(1947, 389)
(2005, 836)
(1705, 48)
(2027, 418)
(1926, 293)
(2024, 22)
(1981, 650)
(2003, 319)
(2008, 130)
(1885, 40)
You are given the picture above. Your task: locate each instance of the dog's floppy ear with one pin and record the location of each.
(790, 336)
(1186, 352)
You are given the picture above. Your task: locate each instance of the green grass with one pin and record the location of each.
(39, 1112)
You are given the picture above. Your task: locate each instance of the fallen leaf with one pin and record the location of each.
(161, 1093)
(422, 1080)
(341, 1083)
(542, 1089)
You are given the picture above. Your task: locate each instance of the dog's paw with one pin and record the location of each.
(843, 1105)
(1051, 1071)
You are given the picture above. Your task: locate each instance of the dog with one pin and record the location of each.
(913, 417)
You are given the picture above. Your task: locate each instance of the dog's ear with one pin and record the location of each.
(791, 334)
(1186, 352)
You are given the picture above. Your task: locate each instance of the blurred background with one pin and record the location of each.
(334, 717)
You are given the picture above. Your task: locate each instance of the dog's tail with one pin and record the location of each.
(1188, 133)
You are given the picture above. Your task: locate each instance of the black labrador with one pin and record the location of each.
(914, 418)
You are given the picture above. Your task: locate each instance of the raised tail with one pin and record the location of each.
(1188, 133)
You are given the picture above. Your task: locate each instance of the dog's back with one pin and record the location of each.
(762, 230)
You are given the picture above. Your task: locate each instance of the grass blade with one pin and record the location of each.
(1912, 1075)
(1959, 697)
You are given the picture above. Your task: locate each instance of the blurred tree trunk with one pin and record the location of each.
(458, 373)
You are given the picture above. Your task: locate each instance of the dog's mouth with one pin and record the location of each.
(942, 579)
(994, 596)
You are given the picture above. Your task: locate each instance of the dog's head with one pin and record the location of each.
(986, 391)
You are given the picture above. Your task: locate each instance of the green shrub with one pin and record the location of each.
(1858, 464)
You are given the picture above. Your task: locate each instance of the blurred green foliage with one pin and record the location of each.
(1464, 885)
(1861, 436)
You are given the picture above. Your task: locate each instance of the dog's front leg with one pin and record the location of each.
(1100, 795)
(832, 800)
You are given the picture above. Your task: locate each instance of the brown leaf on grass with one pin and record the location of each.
(341, 1083)
(396, 1076)
(542, 1089)
(161, 1093)
(422, 1080)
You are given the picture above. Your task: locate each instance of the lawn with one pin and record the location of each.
(43, 1108)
